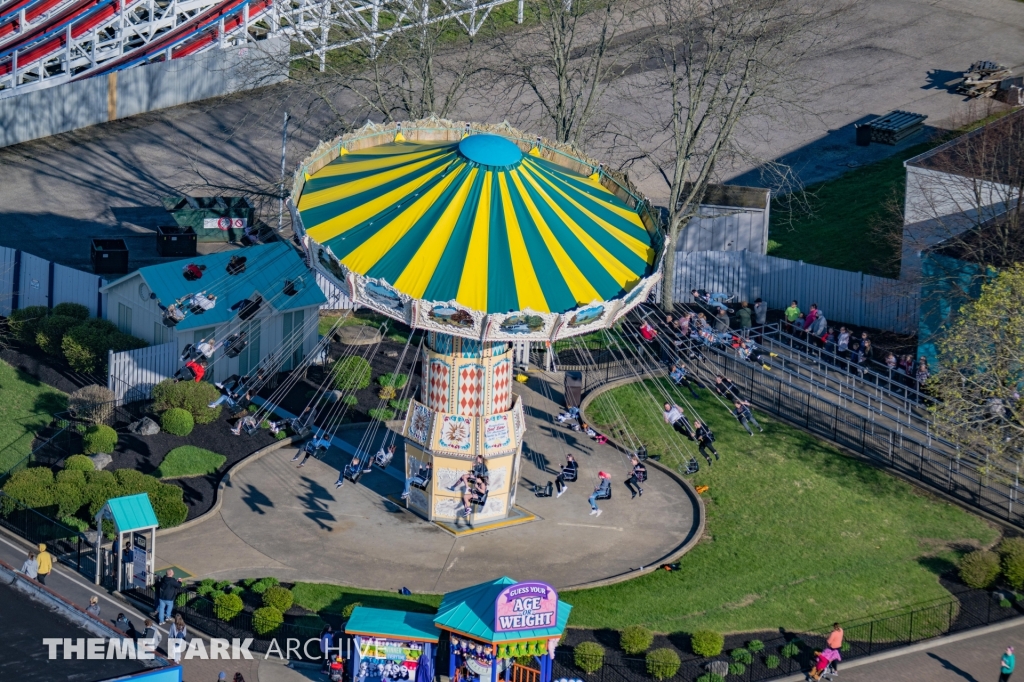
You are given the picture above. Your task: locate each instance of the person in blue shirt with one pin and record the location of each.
(1006, 664)
(680, 377)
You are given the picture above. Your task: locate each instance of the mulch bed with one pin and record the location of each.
(47, 369)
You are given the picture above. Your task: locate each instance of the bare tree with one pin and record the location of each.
(563, 62)
(708, 67)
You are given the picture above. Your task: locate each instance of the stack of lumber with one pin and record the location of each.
(982, 79)
(891, 128)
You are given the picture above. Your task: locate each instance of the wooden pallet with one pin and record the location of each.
(982, 79)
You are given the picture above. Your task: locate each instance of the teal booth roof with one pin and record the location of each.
(470, 611)
(403, 625)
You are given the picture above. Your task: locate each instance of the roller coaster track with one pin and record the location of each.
(48, 42)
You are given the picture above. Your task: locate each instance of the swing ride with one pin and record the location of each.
(480, 237)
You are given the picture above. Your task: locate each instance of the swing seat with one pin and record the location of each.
(641, 453)
(419, 483)
(692, 467)
(251, 429)
(570, 475)
(478, 504)
(353, 476)
(604, 496)
(543, 490)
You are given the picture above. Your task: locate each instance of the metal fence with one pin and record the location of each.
(27, 280)
(67, 545)
(149, 87)
(851, 297)
(56, 442)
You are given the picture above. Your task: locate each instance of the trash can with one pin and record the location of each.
(573, 389)
(109, 256)
(174, 240)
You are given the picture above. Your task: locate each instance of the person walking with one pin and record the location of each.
(31, 566)
(705, 440)
(176, 637)
(602, 491)
(1006, 665)
(637, 476)
(150, 633)
(45, 564)
(94, 606)
(835, 641)
(745, 417)
(166, 590)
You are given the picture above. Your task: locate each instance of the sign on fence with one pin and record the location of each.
(850, 297)
(132, 374)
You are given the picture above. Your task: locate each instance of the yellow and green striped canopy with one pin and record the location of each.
(477, 222)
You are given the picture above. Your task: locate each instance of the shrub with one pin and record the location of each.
(387, 393)
(707, 643)
(737, 669)
(352, 373)
(74, 310)
(790, 650)
(381, 413)
(350, 400)
(188, 460)
(85, 345)
(133, 482)
(278, 597)
(741, 655)
(771, 662)
(33, 487)
(979, 569)
(93, 403)
(227, 606)
(280, 435)
(588, 656)
(1010, 546)
(395, 381)
(263, 584)
(662, 663)
(181, 600)
(177, 422)
(190, 396)
(755, 645)
(119, 342)
(346, 611)
(205, 587)
(400, 405)
(26, 323)
(99, 438)
(69, 492)
(710, 677)
(1005, 603)
(266, 620)
(169, 507)
(222, 585)
(1013, 570)
(78, 463)
(74, 523)
(249, 582)
(100, 486)
(51, 331)
(635, 639)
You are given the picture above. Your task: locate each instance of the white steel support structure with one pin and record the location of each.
(53, 41)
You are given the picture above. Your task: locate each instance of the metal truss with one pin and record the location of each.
(49, 42)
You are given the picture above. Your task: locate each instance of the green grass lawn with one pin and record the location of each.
(334, 598)
(188, 460)
(798, 535)
(367, 318)
(26, 406)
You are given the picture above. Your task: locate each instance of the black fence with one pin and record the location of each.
(53, 445)
(888, 448)
(69, 546)
(794, 653)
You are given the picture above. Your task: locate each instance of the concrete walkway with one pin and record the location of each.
(292, 523)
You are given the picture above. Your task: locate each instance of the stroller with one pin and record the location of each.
(822, 669)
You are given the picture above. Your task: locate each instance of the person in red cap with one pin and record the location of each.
(602, 491)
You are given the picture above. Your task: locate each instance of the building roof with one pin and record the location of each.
(133, 512)
(266, 269)
(477, 222)
(735, 196)
(993, 152)
(417, 627)
(470, 611)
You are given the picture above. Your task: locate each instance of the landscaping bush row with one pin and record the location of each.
(76, 493)
(980, 569)
(67, 332)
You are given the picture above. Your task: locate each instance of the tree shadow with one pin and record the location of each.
(255, 499)
(50, 402)
(936, 565)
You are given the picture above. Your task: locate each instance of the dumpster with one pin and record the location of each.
(109, 256)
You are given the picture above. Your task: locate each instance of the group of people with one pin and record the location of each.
(474, 485)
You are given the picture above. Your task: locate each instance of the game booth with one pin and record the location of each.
(494, 623)
(391, 646)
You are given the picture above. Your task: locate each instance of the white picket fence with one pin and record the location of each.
(337, 298)
(27, 280)
(850, 297)
(132, 374)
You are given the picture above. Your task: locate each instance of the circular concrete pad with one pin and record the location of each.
(292, 523)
